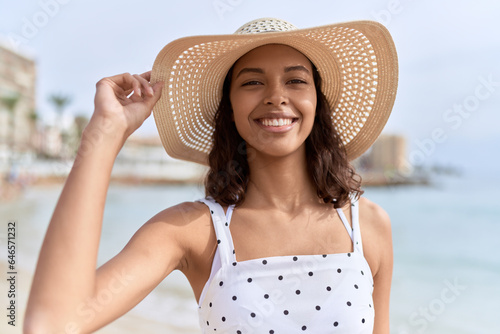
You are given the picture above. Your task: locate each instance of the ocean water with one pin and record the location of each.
(446, 253)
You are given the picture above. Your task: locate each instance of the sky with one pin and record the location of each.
(448, 102)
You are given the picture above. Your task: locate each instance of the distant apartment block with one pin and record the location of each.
(17, 101)
(385, 162)
(388, 153)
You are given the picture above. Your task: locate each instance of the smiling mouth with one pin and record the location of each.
(276, 122)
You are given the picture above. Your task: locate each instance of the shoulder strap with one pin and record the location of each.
(221, 221)
(346, 222)
(355, 226)
(354, 231)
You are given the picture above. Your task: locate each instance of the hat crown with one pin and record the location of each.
(265, 25)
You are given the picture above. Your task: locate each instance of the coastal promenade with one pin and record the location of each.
(162, 171)
(143, 160)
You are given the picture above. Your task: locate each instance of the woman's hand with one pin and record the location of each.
(124, 101)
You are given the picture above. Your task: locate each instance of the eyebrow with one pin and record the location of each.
(250, 70)
(296, 68)
(261, 71)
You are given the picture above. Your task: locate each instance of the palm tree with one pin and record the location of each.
(10, 102)
(60, 103)
(81, 122)
(34, 137)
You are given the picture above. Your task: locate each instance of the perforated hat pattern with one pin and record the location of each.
(357, 62)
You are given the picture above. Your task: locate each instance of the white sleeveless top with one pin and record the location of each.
(325, 293)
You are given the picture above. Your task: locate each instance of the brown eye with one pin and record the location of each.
(252, 83)
(297, 81)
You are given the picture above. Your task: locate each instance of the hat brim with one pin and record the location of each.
(357, 62)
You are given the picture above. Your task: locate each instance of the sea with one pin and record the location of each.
(446, 238)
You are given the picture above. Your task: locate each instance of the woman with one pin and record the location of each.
(283, 242)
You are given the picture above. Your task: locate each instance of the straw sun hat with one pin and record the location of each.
(357, 62)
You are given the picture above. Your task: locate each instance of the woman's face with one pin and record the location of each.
(273, 98)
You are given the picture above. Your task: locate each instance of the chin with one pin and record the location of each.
(273, 151)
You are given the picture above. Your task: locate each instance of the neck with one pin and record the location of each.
(281, 183)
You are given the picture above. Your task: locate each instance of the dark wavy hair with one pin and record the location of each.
(333, 175)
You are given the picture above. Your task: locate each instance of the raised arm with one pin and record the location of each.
(67, 289)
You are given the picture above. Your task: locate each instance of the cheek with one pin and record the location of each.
(307, 106)
(240, 117)
(242, 106)
(239, 121)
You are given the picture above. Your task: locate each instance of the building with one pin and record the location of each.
(386, 163)
(143, 159)
(17, 102)
(388, 153)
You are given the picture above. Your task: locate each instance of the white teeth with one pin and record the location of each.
(276, 121)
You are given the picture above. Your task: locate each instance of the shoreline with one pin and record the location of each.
(10, 191)
(367, 181)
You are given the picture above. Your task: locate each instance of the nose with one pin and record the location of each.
(276, 95)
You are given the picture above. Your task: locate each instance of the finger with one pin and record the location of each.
(127, 83)
(136, 84)
(145, 84)
(146, 75)
(128, 91)
(123, 80)
(135, 98)
(157, 88)
(110, 83)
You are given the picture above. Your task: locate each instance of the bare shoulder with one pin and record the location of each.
(185, 222)
(374, 215)
(376, 234)
(173, 232)
(189, 227)
(183, 214)
(177, 218)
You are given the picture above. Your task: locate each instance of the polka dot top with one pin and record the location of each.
(324, 293)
